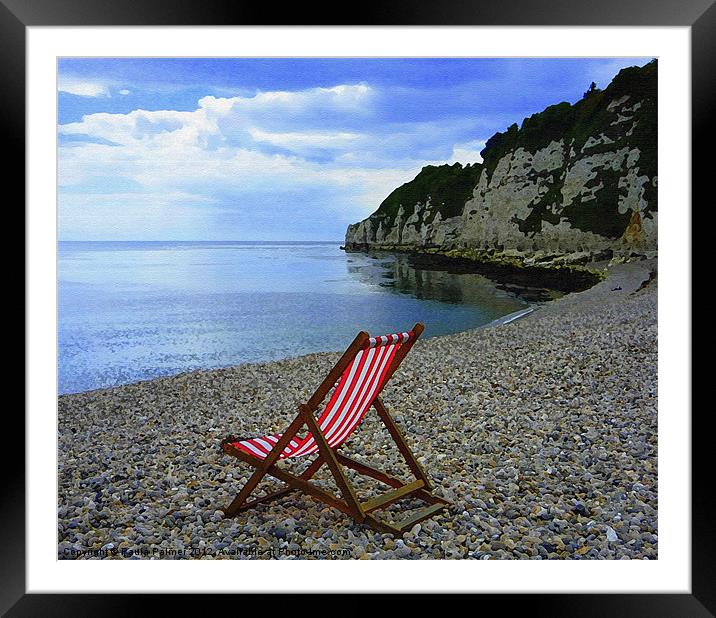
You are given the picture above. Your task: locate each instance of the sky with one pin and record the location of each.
(280, 148)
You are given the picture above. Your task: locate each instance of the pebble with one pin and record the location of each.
(543, 431)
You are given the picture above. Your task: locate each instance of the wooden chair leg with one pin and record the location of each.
(245, 492)
(262, 500)
(380, 526)
(400, 442)
(264, 465)
(314, 467)
(311, 490)
(330, 458)
(305, 475)
(300, 483)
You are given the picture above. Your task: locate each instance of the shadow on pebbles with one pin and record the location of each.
(543, 432)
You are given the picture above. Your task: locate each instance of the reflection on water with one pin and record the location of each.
(136, 310)
(395, 273)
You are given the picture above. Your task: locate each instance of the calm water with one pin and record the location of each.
(131, 311)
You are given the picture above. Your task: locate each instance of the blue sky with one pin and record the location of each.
(278, 149)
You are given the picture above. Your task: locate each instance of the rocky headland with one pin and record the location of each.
(572, 185)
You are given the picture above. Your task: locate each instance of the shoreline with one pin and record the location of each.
(532, 306)
(543, 432)
(530, 278)
(510, 317)
(502, 320)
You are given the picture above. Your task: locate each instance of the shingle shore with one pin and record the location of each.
(543, 432)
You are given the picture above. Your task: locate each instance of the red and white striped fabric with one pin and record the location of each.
(375, 342)
(360, 383)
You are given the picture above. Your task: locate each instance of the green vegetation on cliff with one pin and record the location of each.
(619, 122)
(447, 186)
(575, 124)
(587, 117)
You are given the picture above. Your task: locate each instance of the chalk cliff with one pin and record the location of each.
(572, 183)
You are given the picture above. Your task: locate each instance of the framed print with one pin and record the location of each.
(308, 297)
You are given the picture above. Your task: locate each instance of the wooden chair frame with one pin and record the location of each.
(349, 504)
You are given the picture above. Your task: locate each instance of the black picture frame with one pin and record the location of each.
(17, 15)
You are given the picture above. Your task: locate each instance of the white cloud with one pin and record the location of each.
(220, 141)
(124, 92)
(83, 88)
(237, 155)
(467, 153)
(300, 141)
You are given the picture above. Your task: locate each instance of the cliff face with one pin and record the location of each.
(573, 179)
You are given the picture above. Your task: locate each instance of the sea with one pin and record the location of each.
(131, 311)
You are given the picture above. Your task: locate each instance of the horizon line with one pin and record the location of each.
(194, 240)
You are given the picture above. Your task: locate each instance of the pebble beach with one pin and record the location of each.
(541, 431)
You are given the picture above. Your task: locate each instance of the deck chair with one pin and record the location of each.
(359, 377)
